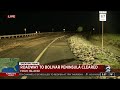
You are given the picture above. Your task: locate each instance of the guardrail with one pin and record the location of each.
(18, 35)
(25, 35)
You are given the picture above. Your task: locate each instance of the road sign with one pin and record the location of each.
(102, 11)
(102, 15)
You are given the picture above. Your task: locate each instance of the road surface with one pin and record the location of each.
(57, 53)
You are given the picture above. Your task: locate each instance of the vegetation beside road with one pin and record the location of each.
(90, 52)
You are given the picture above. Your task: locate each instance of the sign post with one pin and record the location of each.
(102, 17)
(102, 36)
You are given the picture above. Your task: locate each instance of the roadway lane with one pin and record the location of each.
(29, 49)
(57, 53)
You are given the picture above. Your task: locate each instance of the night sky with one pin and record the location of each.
(46, 20)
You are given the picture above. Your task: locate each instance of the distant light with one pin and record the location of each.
(11, 16)
(36, 32)
(93, 28)
(63, 30)
(25, 29)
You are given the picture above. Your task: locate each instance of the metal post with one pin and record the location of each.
(102, 36)
(102, 17)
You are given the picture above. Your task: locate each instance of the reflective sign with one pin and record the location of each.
(102, 17)
(102, 12)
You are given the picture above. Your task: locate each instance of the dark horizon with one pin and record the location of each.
(44, 21)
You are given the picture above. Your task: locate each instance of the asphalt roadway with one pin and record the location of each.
(29, 49)
(57, 53)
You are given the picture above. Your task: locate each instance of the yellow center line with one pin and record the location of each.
(40, 55)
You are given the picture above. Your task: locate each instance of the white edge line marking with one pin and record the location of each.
(40, 55)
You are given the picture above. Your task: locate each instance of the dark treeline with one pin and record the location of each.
(57, 21)
(8, 29)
